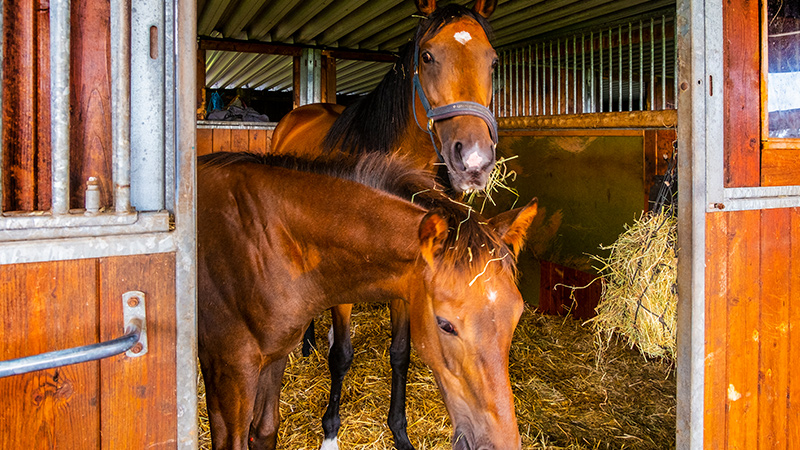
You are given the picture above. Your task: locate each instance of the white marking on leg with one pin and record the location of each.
(330, 444)
(330, 338)
(462, 37)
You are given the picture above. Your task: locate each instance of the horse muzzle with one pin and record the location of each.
(465, 438)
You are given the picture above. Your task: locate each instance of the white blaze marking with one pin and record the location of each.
(474, 160)
(463, 37)
(492, 296)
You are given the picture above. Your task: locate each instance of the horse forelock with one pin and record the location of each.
(376, 122)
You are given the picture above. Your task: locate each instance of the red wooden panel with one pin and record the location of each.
(556, 298)
(139, 401)
(204, 141)
(240, 140)
(716, 385)
(793, 404)
(46, 307)
(221, 141)
(19, 106)
(258, 141)
(742, 92)
(90, 130)
(773, 386)
(743, 253)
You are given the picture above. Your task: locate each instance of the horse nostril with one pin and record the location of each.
(457, 156)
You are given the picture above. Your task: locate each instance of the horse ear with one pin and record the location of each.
(432, 233)
(426, 6)
(513, 225)
(485, 7)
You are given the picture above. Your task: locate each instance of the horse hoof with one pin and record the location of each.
(330, 444)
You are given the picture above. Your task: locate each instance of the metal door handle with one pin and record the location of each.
(134, 342)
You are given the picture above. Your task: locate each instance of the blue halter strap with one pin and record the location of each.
(447, 111)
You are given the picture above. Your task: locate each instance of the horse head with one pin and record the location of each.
(453, 65)
(462, 325)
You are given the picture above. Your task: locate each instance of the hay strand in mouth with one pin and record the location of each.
(567, 393)
(499, 179)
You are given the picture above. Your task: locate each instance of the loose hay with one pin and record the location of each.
(568, 394)
(639, 297)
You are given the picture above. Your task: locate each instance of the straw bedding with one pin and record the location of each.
(570, 393)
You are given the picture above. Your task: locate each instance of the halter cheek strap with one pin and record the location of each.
(447, 111)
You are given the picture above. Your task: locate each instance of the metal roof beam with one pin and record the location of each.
(297, 17)
(242, 14)
(275, 11)
(365, 14)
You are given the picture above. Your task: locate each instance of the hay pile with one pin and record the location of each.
(639, 298)
(569, 395)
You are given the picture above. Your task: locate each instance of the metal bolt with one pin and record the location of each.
(133, 302)
(137, 348)
(684, 86)
(719, 205)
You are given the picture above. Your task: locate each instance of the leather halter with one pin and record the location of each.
(447, 111)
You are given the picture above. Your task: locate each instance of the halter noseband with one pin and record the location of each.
(447, 111)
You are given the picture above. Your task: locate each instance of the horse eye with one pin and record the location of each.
(427, 58)
(495, 62)
(446, 326)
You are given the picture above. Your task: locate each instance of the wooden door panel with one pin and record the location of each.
(46, 307)
(139, 399)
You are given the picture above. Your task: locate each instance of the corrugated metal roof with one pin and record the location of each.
(383, 25)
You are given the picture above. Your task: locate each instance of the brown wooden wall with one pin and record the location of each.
(119, 402)
(233, 140)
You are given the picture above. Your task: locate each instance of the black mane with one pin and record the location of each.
(375, 122)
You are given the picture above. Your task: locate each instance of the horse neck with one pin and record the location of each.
(362, 257)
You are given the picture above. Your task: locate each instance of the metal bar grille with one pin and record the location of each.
(626, 66)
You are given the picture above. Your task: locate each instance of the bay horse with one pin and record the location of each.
(431, 106)
(281, 240)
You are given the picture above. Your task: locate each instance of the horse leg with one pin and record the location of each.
(399, 356)
(340, 357)
(309, 340)
(230, 395)
(266, 418)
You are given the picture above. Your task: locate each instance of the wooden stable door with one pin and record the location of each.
(88, 218)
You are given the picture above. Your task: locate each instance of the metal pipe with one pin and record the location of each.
(619, 37)
(591, 71)
(516, 82)
(537, 80)
(575, 73)
(75, 355)
(121, 104)
(663, 63)
(59, 103)
(652, 67)
(601, 71)
(630, 66)
(610, 72)
(551, 77)
(641, 68)
(558, 76)
(530, 81)
(584, 107)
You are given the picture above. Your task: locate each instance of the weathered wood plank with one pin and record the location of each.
(46, 307)
(774, 356)
(240, 140)
(780, 167)
(19, 106)
(90, 96)
(742, 84)
(221, 141)
(793, 403)
(715, 424)
(743, 304)
(258, 141)
(139, 402)
(205, 144)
